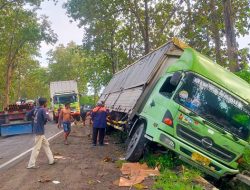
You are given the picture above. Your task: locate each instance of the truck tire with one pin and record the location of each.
(137, 144)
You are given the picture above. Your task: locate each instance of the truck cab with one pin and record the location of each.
(62, 92)
(204, 123)
(186, 103)
(61, 99)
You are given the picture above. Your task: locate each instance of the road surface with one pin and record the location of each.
(13, 146)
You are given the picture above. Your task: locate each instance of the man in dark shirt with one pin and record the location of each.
(40, 117)
(99, 115)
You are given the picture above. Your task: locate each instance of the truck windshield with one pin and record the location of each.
(215, 105)
(62, 99)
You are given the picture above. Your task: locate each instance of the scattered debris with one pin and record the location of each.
(135, 173)
(59, 157)
(56, 182)
(90, 182)
(116, 182)
(200, 180)
(57, 154)
(107, 159)
(44, 179)
(140, 186)
(119, 163)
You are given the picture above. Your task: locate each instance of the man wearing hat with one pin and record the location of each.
(99, 115)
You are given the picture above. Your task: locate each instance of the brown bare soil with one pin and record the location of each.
(79, 166)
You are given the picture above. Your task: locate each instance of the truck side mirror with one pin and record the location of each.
(175, 79)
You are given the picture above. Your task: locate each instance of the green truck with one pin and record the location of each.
(182, 100)
(62, 92)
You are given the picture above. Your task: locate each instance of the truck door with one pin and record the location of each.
(160, 108)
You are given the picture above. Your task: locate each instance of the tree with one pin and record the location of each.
(230, 36)
(122, 30)
(204, 29)
(67, 63)
(96, 71)
(20, 38)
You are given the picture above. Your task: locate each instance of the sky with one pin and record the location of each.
(68, 31)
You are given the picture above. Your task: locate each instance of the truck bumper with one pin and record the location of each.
(214, 168)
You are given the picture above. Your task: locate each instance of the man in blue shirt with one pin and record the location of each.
(40, 117)
(99, 115)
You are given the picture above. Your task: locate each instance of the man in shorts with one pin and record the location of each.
(65, 120)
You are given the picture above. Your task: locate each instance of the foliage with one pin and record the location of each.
(21, 34)
(174, 173)
(119, 163)
(122, 29)
(67, 63)
(163, 161)
(87, 100)
(245, 162)
(91, 71)
(244, 74)
(170, 180)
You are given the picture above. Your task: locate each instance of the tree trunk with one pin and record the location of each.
(19, 85)
(230, 36)
(7, 86)
(146, 17)
(215, 32)
(189, 26)
(112, 52)
(142, 27)
(130, 40)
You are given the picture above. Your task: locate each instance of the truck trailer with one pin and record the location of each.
(180, 99)
(62, 92)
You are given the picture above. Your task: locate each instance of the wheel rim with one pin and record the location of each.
(135, 139)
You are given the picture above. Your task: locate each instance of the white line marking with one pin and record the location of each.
(27, 151)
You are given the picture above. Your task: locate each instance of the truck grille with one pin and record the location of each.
(205, 143)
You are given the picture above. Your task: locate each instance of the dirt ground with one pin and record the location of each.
(80, 166)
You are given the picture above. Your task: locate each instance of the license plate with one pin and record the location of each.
(199, 158)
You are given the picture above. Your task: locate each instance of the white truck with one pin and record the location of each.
(62, 92)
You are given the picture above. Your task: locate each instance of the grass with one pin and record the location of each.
(162, 161)
(245, 165)
(170, 180)
(119, 163)
(175, 175)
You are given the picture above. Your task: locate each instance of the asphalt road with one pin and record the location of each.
(12, 146)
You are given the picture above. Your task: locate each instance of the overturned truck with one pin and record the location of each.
(182, 100)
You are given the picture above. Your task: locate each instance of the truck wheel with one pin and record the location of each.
(136, 145)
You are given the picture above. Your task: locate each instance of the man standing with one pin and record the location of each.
(65, 119)
(99, 115)
(40, 116)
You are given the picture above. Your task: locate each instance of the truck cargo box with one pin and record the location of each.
(62, 87)
(128, 88)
